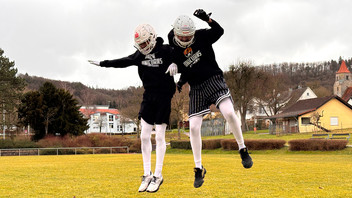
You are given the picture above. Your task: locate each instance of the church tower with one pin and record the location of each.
(343, 80)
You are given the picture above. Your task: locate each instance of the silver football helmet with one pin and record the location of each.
(184, 30)
(145, 38)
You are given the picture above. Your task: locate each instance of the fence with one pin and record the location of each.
(213, 127)
(61, 150)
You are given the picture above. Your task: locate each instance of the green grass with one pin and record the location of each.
(274, 174)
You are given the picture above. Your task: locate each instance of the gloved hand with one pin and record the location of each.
(172, 69)
(201, 14)
(179, 87)
(97, 63)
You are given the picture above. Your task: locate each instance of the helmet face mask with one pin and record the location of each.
(145, 38)
(184, 30)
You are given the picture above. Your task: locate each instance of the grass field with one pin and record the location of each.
(274, 174)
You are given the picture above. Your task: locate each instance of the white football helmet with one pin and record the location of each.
(145, 38)
(184, 27)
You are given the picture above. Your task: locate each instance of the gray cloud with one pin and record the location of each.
(54, 39)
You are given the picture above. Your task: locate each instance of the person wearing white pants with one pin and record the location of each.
(195, 58)
(154, 62)
(146, 147)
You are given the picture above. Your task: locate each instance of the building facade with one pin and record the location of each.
(102, 119)
(312, 115)
(343, 80)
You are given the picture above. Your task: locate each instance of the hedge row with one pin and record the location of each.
(91, 140)
(206, 144)
(260, 144)
(19, 143)
(231, 144)
(317, 144)
(100, 140)
(180, 144)
(266, 144)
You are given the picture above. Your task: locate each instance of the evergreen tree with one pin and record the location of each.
(11, 87)
(52, 111)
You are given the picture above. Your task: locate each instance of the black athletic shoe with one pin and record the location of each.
(246, 159)
(199, 177)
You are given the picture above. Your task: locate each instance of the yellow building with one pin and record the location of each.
(317, 114)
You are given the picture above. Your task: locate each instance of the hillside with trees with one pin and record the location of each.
(319, 76)
(84, 94)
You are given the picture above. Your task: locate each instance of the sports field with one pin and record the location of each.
(118, 175)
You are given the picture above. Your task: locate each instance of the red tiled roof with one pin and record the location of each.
(347, 95)
(93, 111)
(343, 68)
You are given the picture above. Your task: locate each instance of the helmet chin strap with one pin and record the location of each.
(181, 44)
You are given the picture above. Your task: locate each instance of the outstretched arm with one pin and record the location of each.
(117, 63)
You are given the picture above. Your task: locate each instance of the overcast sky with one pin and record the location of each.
(55, 38)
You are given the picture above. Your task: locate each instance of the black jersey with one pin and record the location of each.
(197, 62)
(151, 68)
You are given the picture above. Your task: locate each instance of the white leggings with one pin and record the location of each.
(195, 123)
(146, 147)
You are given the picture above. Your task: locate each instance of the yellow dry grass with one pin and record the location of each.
(118, 175)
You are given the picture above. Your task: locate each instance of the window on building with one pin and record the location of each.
(305, 120)
(307, 93)
(111, 118)
(111, 125)
(95, 118)
(334, 121)
(119, 128)
(346, 77)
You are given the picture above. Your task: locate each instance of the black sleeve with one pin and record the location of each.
(215, 32)
(170, 37)
(183, 79)
(122, 62)
(172, 55)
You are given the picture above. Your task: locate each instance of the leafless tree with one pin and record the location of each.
(133, 107)
(270, 96)
(245, 83)
(179, 107)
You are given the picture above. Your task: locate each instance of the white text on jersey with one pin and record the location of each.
(193, 59)
(152, 62)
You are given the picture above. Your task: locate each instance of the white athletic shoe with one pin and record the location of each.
(146, 179)
(155, 184)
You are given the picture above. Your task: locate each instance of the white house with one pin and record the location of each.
(288, 97)
(257, 112)
(102, 119)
